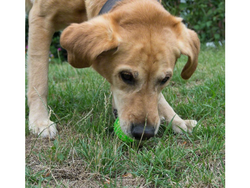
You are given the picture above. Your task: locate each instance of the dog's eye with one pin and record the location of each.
(164, 80)
(127, 77)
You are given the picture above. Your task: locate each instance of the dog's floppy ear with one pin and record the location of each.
(85, 41)
(189, 44)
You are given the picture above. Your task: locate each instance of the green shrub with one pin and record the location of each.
(206, 17)
(56, 51)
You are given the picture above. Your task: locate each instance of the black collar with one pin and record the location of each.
(108, 6)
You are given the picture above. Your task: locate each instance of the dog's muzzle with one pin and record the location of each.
(139, 131)
(142, 131)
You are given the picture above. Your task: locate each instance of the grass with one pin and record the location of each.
(86, 153)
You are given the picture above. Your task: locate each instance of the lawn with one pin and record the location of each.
(87, 153)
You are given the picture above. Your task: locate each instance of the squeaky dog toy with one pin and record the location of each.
(120, 133)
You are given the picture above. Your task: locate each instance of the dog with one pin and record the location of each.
(134, 45)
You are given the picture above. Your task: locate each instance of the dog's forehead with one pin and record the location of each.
(150, 53)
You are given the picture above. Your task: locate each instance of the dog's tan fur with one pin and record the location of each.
(138, 37)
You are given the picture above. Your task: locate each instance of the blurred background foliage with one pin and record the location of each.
(206, 17)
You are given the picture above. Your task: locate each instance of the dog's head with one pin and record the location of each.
(135, 47)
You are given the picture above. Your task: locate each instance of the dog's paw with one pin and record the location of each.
(45, 129)
(190, 124)
(184, 125)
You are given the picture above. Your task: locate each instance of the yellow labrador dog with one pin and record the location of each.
(134, 44)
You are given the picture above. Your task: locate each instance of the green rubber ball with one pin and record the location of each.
(120, 133)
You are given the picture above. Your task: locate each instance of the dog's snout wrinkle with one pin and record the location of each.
(140, 131)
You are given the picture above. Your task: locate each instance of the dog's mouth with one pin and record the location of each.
(115, 113)
(138, 131)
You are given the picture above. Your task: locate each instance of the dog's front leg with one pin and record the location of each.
(40, 35)
(178, 124)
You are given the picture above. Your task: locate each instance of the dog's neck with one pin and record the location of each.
(109, 5)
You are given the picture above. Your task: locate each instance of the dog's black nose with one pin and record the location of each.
(140, 131)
